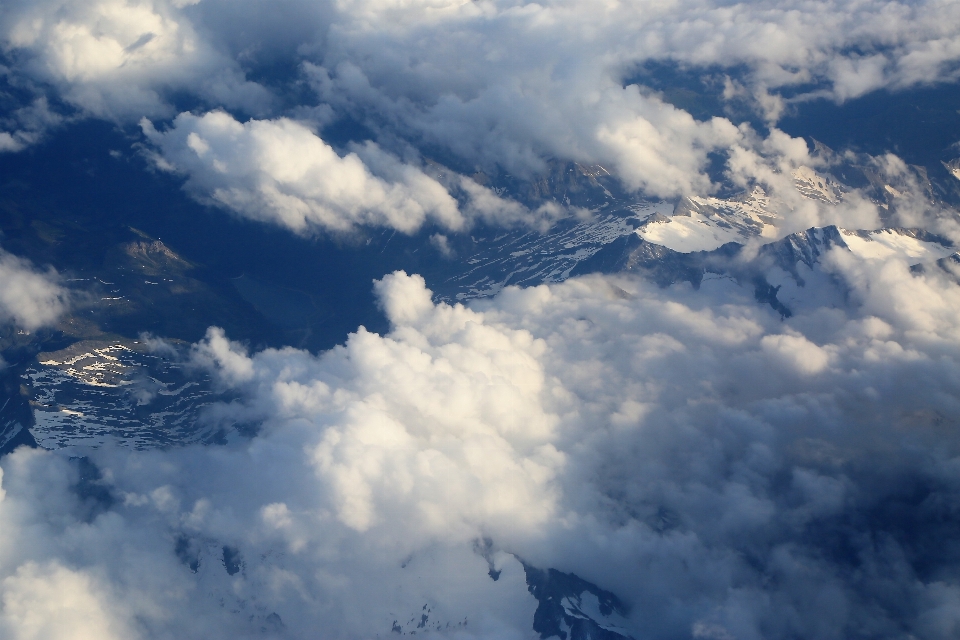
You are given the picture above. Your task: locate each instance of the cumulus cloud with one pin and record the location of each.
(282, 172)
(123, 58)
(508, 85)
(28, 297)
(52, 601)
(725, 472)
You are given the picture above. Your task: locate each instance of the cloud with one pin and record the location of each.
(439, 428)
(725, 472)
(648, 143)
(494, 85)
(27, 125)
(122, 58)
(29, 298)
(280, 171)
(509, 85)
(52, 601)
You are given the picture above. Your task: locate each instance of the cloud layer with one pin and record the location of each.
(496, 85)
(725, 472)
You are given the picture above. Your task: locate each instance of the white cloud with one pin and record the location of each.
(527, 116)
(28, 297)
(493, 83)
(510, 84)
(51, 601)
(122, 58)
(739, 465)
(798, 352)
(282, 172)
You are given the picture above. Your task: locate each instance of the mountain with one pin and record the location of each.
(94, 380)
(118, 392)
(571, 608)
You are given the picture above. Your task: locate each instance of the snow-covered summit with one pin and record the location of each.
(706, 223)
(702, 223)
(815, 186)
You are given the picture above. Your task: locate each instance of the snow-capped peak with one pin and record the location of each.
(705, 223)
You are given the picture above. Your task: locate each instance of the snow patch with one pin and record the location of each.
(705, 224)
(892, 244)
